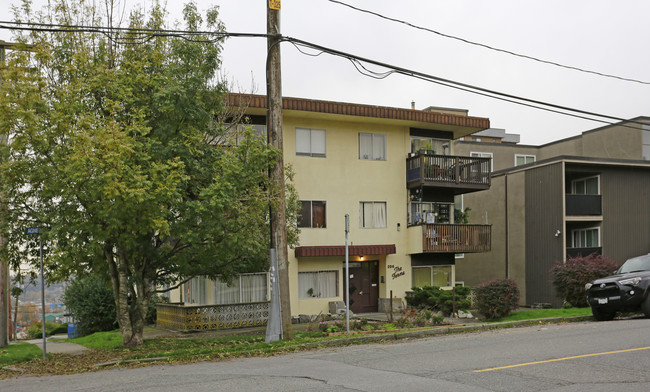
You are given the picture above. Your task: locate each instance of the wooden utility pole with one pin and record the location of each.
(274, 127)
(4, 265)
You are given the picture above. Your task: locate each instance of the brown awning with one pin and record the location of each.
(353, 250)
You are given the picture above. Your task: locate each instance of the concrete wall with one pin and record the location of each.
(503, 154)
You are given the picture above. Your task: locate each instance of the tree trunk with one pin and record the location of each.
(128, 302)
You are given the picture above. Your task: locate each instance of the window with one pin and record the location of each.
(482, 155)
(195, 291)
(438, 276)
(312, 214)
(586, 186)
(310, 142)
(372, 214)
(645, 142)
(586, 238)
(235, 133)
(318, 284)
(372, 146)
(438, 146)
(246, 288)
(522, 159)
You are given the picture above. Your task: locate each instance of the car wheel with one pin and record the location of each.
(645, 307)
(602, 315)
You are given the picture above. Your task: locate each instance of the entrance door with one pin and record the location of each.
(364, 287)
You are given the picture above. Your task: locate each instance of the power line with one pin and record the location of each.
(138, 35)
(357, 61)
(488, 46)
(547, 106)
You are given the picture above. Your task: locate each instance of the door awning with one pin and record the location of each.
(354, 250)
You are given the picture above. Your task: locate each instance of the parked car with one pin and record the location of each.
(626, 291)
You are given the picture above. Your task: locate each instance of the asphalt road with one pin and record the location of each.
(586, 356)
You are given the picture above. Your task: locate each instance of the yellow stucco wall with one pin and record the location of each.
(343, 180)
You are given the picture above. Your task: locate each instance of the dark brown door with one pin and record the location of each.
(364, 287)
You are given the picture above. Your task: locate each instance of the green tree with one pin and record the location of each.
(115, 146)
(91, 303)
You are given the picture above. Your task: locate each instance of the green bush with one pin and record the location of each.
(437, 299)
(91, 304)
(497, 298)
(35, 331)
(570, 277)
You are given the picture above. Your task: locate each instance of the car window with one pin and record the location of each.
(640, 263)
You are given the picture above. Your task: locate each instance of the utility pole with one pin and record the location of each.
(4, 265)
(274, 128)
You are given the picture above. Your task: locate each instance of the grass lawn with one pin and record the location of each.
(100, 340)
(545, 313)
(19, 352)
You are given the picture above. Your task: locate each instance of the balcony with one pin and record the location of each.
(583, 205)
(470, 174)
(449, 238)
(577, 252)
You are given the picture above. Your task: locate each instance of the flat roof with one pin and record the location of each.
(415, 118)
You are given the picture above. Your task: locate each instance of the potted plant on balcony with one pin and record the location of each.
(427, 150)
(461, 216)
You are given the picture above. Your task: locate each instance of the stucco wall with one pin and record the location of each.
(343, 180)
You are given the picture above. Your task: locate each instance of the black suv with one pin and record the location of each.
(625, 291)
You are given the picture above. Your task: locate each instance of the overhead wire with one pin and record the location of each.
(489, 46)
(357, 61)
(537, 104)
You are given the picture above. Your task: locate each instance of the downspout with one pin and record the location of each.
(507, 226)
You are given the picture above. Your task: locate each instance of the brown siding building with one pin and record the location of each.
(586, 194)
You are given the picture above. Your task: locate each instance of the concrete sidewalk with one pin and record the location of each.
(58, 347)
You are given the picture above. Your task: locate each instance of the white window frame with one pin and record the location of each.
(479, 154)
(374, 225)
(373, 153)
(584, 179)
(573, 234)
(525, 157)
(215, 287)
(311, 153)
(431, 267)
(302, 291)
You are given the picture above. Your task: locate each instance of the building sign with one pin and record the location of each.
(397, 271)
(274, 5)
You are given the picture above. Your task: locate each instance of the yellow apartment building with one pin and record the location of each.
(395, 173)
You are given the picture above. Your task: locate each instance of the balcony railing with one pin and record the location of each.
(578, 252)
(578, 205)
(448, 171)
(447, 238)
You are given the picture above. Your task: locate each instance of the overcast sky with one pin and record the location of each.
(604, 36)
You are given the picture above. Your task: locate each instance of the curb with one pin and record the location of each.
(446, 330)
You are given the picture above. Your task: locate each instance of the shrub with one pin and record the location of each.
(91, 304)
(435, 298)
(35, 331)
(497, 298)
(569, 278)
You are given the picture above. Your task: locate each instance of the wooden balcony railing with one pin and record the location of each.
(180, 317)
(448, 171)
(445, 238)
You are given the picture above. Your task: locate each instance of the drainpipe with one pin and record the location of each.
(507, 226)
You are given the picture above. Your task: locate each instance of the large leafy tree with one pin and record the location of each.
(115, 147)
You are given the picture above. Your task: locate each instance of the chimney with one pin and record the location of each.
(413, 105)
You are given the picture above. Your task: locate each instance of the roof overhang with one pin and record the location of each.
(339, 250)
(328, 110)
